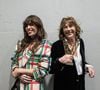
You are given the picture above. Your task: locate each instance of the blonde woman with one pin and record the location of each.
(68, 58)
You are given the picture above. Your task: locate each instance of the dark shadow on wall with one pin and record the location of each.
(11, 81)
(49, 82)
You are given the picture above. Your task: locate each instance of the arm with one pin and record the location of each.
(44, 62)
(19, 71)
(14, 64)
(88, 68)
(56, 53)
(25, 75)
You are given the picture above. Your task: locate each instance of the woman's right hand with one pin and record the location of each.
(19, 71)
(67, 58)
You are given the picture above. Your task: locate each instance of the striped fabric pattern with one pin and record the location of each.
(39, 61)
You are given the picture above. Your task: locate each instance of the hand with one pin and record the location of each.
(91, 71)
(25, 78)
(67, 58)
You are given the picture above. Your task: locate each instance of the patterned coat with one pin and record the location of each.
(29, 60)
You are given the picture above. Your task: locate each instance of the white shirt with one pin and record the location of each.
(78, 60)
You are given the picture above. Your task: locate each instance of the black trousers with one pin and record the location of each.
(80, 83)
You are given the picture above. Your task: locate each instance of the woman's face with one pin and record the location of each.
(69, 30)
(31, 30)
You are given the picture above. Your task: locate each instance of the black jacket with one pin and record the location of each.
(65, 76)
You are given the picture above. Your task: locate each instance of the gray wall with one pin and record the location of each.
(13, 12)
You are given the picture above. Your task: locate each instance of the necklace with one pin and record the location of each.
(70, 49)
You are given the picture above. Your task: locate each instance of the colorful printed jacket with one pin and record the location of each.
(29, 60)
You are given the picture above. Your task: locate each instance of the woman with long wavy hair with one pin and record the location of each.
(30, 63)
(68, 58)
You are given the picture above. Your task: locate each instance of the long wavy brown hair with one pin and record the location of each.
(72, 21)
(41, 34)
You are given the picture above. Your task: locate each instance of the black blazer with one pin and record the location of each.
(65, 73)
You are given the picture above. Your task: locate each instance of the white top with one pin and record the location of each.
(78, 60)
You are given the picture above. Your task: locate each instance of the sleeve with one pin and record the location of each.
(56, 66)
(85, 62)
(83, 50)
(44, 64)
(14, 63)
(14, 57)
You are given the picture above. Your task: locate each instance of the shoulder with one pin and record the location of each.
(81, 41)
(82, 46)
(57, 43)
(46, 42)
(18, 45)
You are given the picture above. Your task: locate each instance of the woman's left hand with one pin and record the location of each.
(25, 78)
(91, 71)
